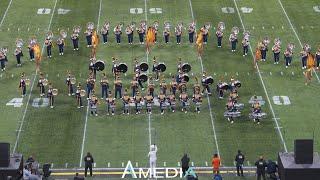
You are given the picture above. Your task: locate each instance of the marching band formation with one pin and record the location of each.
(134, 97)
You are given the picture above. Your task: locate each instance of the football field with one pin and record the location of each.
(64, 134)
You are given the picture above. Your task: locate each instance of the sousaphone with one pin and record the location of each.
(144, 66)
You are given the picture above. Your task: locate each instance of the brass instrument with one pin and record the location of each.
(76, 29)
(27, 81)
(90, 26)
(221, 26)
(49, 35)
(235, 30)
(73, 80)
(82, 92)
(63, 33)
(45, 82)
(19, 43)
(54, 92)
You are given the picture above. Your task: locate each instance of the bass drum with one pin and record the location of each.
(161, 67)
(186, 67)
(144, 66)
(209, 80)
(122, 67)
(99, 65)
(143, 77)
(223, 86)
(185, 77)
(237, 84)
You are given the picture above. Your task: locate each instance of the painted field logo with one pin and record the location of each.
(160, 173)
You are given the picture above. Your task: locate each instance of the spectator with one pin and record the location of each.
(185, 163)
(272, 169)
(77, 177)
(30, 160)
(239, 163)
(88, 160)
(261, 171)
(216, 162)
(217, 176)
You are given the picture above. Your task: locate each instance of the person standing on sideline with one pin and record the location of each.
(152, 159)
(216, 162)
(217, 176)
(88, 161)
(239, 163)
(261, 171)
(185, 163)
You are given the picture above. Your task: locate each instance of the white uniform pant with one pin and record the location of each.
(153, 163)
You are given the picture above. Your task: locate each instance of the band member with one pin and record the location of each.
(307, 75)
(114, 69)
(79, 96)
(233, 40)
(162, 100)
(304, 57)
(48, 44)
(205, 84)
(149, 101)
(93, 105)
(197, 99)
(155, 28)
(129, 32)
(141, 32)
(90, 85)
(276, 49)
(137, 78)
(256, 109)
(126, 102)
(220, 90)
(232, 84)
(318, 57)
(178, 31)
(219, 34)
(23, 85)
(263, 50)
(111, 104)
(173, 86)
(50, 95)
(75, 41)
(182, 86)
(118, 32)
(134, 86)
(288, 57)
(70, 84)
(105, 32)
(172, 102)
(245, 46)
(41, 83)
(184, 101)
(92, 67)
(2, 61)
(60, 44)
(196, 86)
(18, 53)
(104, 86)
(191, 30)
(205, 34)
(31, 51)
(163, 87)
(231, 108)
(88, 34)
(151, 88)
(166, 35)
(155, 69)
(137, 101)
(118, 87)
(234, 96)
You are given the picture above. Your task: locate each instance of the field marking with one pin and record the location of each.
(87, 111)
(5, 13)
(209, 103)
(295, 33)
(263, 85)
(31, 88)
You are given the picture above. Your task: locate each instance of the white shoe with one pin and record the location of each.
(51, 107)
(69, 94)
(173, 111)
(96, 114)
(287, 67)
(185, 112)
(198, 112)
(231, 122)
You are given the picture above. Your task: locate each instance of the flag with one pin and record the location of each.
(310, 61)
(95, 39)
(151, 36)
(199, 40)
(37, 52)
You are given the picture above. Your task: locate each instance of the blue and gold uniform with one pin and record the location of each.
(126, 102)
(111, 104)
(219, 34)
(162, 100)
(129, 32)
(2, 61)
(70, 81)
(48, 44)
(197, 99)
(41, 84)
(149, 102)
(304, 57)
(166, 35)
(93, 105)
(233, 40)
(79, 94)
(276, 49)
(75, 41)
(317, 56)
(22, 85)
(138, 101)
(288, 57)
(141, 33)
(18, 53)
(191, 31)
(90, 86)
(172, 102)
(60, 43)
(118, 87)
(178, 31)
(184, 101)
(50, 95)
(117, 31)
(88, 34)
(245, 46)
(104, 86)
(105, 32)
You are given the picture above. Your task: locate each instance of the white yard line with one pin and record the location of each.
(295, 33)
(32, 85)
(87, 111)
(263, 85)
(5, 13)
(209, 103)
(147, 55)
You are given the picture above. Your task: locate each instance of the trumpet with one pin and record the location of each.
(49, 35)
(63, 34)
(54, 92)
(307, 47)
(221, 26)
(73, 80)
(277, 41)
(45, 82)
(76, 29)
(90, 26)
(235, 30)
(156, 24)
(207, 25)
(167, 25)
(266, 41)
(27, 81)
(19, 43)
(82, 92)
(246, 35)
